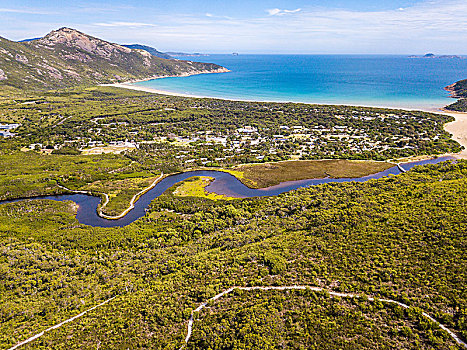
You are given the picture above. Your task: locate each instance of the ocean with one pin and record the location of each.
(367, 80)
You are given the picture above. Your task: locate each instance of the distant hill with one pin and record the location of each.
(195, 54)
(67, 57)
(27, 40)
(149, 49)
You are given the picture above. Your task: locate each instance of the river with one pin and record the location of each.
(223, 184)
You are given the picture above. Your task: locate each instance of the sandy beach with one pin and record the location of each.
(457, 128)
(130, 86)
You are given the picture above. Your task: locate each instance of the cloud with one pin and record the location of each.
(428, 26)
(124, 24)
(279, 12)
(27, 11)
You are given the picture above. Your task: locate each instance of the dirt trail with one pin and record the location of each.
(227, 291)
(38, 335)
(107, 199)
(316, 289)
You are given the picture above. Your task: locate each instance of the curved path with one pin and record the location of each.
(223, 184)
(38, 335)
(230, 290)
(107, 199)
(316, 289)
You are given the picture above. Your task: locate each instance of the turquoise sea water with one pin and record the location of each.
(392, 81)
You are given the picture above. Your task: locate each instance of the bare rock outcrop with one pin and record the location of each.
(74, 38)
(3, 75)
(21, 58)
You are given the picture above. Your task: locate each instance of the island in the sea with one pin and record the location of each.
(432, 55)
(371, 255)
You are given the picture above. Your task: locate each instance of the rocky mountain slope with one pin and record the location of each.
(458, 90)
(67, 57)
(149, 49)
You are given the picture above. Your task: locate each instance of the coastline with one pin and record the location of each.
(458, 128)
(129, 84)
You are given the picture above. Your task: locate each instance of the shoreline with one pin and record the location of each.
(130, 86)
(457, 128)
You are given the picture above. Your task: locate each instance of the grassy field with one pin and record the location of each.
(270, 174)
(195, 187)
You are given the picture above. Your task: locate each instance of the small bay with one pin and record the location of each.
(367, 80)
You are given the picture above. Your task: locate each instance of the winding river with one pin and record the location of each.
(223, 184)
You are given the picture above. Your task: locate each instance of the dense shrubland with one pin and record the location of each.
(311, 320)
(401, 238)
(180, 132)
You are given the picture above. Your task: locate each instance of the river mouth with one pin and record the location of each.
(223, 184)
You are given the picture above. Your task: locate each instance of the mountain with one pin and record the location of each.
(149, 49)
(66, 57)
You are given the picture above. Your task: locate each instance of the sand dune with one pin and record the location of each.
(458, 129)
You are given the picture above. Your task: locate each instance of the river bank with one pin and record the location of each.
(223, 184)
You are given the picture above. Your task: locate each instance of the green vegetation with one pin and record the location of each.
(458, 90)
(28, 174)
(195, 187)
(178, 133)
(401, 238)
(458, 106)
(67, 150)
(67, 57)
(121, 190)
(311, 320)
(269, 174)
